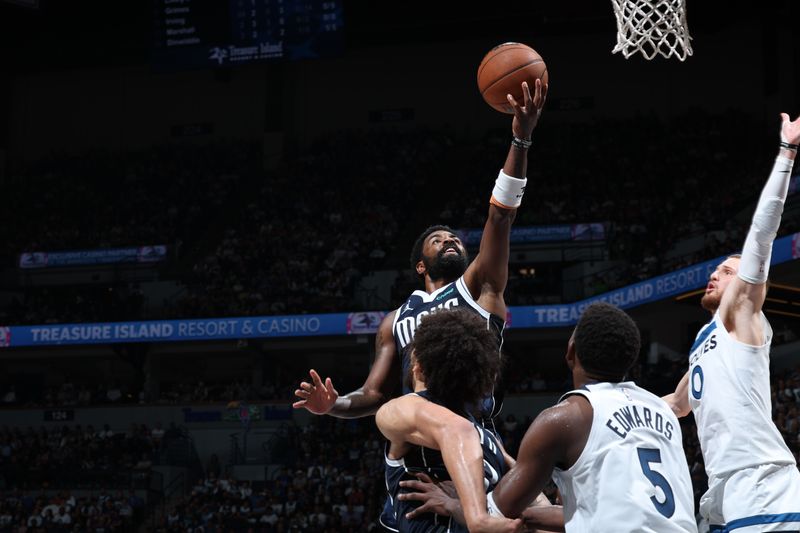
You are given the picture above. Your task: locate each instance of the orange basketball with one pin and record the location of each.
(503, 70)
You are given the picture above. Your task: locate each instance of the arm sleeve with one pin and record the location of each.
(757, 251)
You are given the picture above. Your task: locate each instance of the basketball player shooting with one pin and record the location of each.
(753, 481)
(451, 282)
(440, 260)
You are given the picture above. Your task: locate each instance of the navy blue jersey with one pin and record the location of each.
(429, 461)
(454, 295)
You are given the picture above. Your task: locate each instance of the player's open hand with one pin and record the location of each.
(790, 130)
(436, 498)
(527, 112)
(316, 396)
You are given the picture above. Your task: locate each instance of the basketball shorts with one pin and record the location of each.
(763, 498)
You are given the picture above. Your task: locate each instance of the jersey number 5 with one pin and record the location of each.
(652, 455)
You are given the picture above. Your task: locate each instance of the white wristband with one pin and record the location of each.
(492, 507)
(508, 191)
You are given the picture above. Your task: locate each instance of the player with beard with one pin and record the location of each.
(450, 280)
(753, 481)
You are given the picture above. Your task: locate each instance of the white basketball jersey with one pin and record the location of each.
(729, 393)
(632, 473)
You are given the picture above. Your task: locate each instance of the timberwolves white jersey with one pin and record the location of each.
(729, 393)
(632, 473)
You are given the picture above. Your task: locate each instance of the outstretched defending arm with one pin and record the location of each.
(487, 276)
(557, 433)
(439, 498)
(743, 301)
(321, 397)
(552, 436)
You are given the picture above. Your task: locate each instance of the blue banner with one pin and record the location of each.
(175, 330)
(107, 256)
(664, 286)
(540, 316)
(651, 290)
(594, 231)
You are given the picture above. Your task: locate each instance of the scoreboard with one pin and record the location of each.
(218, 33)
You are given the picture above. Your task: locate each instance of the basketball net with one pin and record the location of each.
(652, 27)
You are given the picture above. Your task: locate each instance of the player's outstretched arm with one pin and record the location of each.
(320, 397)
(742, 302)
(438, 498)
(556, 434)
(678, 401)
(411, 419)
(487, 276)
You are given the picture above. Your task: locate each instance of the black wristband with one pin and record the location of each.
(522, 144)
(789, 146)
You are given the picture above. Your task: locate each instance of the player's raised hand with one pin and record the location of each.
(790, 130)
(317, 397)
(527, 112)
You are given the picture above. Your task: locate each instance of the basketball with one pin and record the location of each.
(503, 70)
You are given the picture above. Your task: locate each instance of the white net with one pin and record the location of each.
(652, 27)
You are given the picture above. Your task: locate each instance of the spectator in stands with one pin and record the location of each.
(114, 393)
(239, 272)
(10, 397)
(213, 466)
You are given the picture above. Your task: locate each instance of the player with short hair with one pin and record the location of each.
(450, 280)
(614, 450)
(753, 480)
(454, 363)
